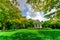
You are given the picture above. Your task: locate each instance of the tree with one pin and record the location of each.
(23, 22)
(30, 23)
(8, 12)
(46, 6)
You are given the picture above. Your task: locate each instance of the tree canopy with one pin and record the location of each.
(8, 12)
(46, 6)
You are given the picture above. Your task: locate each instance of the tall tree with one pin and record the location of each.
(8, 12)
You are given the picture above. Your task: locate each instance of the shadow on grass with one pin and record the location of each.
(21, 36)
(47, 35)
(52, 35)
(25, 36)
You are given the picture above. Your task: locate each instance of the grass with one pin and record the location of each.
(26, 34)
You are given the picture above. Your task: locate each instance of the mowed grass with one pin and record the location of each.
(26, 34)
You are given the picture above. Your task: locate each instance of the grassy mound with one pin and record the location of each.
(25, 34)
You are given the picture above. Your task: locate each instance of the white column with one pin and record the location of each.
(40, 26)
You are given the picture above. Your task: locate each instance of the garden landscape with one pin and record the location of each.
(29, 19)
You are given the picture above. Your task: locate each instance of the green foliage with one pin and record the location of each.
(54, 24)
(46, 6)
(10, 15)
(8, 12)
(0, 24)
(46, 24)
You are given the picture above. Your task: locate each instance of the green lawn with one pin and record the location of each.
(26, 34)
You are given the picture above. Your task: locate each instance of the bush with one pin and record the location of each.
(12, 25)
(54, 24)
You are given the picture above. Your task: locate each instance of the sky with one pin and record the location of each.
(29, 12)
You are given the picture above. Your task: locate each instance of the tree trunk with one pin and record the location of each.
(24, 25)
(3, 27)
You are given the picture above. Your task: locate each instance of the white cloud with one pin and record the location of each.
(22, 4)
(35, 16)
(31, 14)
(53, 10)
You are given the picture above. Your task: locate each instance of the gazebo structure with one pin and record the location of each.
(37, 24)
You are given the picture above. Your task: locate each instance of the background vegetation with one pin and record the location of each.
(11, 18)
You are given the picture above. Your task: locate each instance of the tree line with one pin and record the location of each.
(11, 18)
